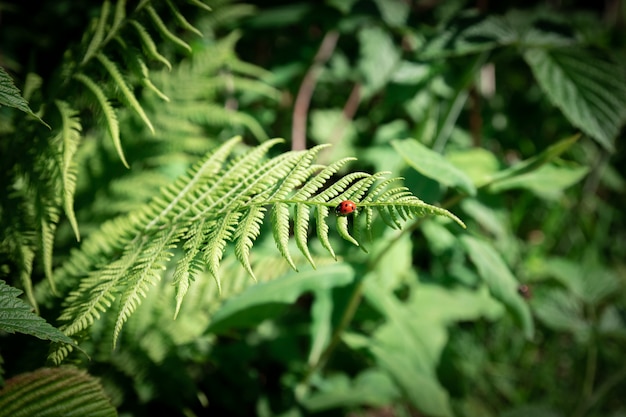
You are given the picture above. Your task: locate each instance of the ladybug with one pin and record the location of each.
(525, 291)
(345, 207)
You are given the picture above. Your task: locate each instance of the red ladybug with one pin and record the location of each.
(345, 207)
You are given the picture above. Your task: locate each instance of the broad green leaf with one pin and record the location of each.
(50, 392)
(409, 344)
(576, 277)
(372, 387)
(533, 163)
(17, 316)
(432, 165)
(501, 282)
(558, 310)
(321, 323)
(590, 90)
(378, 58)
(268, 299)
(548, 182)
(468, 34)
(393, 12)
(10, 96)
(477, 163)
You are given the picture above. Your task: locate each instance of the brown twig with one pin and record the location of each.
(301, 106)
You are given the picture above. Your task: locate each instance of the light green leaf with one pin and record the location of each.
(558, 310)
(469, 34)
(501, 282)
(433, 165)
(17, 316)
(590, 90)
(393, 12)
(378, 58)
(51, 392)
(267, 299)
(321, 323)
(533, 163)
(477, 163)
(372, 387)
(548, 181)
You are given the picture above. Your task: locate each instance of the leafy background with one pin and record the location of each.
(511, 116)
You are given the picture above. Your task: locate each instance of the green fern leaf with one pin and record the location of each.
(164, 31)
(98, 36)
(301, 230)
(321, 213)
(246, 234)
(200, 4)
(221, 233)
(221, 199)
(48, 216)
(143, 273)
(68, 140)
(190, 265)
(118, 19)
(109, 114)
(120, 83)
(342, 228)
(148, 44)
(181, 19)
(280, 220)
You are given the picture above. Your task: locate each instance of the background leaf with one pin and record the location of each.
(17, 316)
(433, 165)
(589, 89)
(52, 392)
(270, 298)
(501, 282)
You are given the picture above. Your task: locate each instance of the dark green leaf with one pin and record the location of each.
(432, 165)
(501, 282)
(589, 89)
(51, 392)
(10, 96)
(17, 316)
(268, 299)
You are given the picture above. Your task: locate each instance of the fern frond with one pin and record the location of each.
(67, 141)
(280, 222)
(182, 22)
(246, 234)
(109, 114)
(164, 31)
(120, 83)
(200, 4)
(98, 35)
(342, 229)
(321, 213)
(48, 216)
(221, 233)
(143, 273)
(118, 19)
(222, 199)
(148, 44)
(190, 265)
